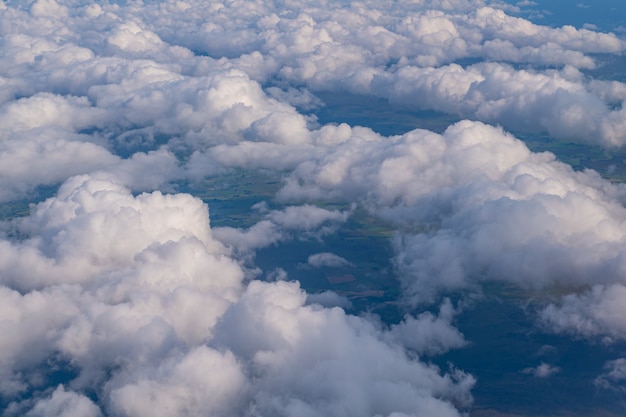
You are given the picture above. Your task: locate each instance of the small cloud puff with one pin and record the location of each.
(329, 299)
(614, 376)
(596, 313)
(543, 370)
(327, 259)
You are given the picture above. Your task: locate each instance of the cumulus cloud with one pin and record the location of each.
(543, 370)
(596, 313)
(93, 224)
(146, 309)
(329, 299)
(428, 334)
(483, 206)
(614, 376)
(327, 259)
(62, 403)
(355, 55)
(148, 312)
(560, 102)
(302, 222)
(279, 336)
(101, 273)
(135, 77)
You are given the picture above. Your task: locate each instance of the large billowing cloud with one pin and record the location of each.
(138, 304)
(130, 79)
(407, 53)
(483, 207)
(558, 102)
(107, 79)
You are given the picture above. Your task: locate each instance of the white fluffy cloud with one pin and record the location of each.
(428, 334)
(80, 79)
(590, 314)
(101, 273)
(64, 403)
(485, 207)
(131, 73)
(290, 348)
(327, 259)
(543, 370)
(614, 375)
(150, 314)
(314, 48)
(146, 308)
(279, 225)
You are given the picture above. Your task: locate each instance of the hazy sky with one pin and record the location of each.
(118, 298)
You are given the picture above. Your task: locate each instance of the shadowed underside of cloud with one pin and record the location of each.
(118, 299)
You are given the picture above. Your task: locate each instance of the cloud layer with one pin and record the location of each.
(147, 311)
(118, 298)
